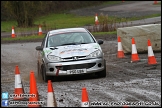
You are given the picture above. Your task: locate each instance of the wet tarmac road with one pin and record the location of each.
(133, 83)
(125, 81)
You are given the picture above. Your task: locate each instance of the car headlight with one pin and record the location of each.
(54, 58)
(95, 54)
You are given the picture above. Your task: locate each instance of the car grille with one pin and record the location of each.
(77, 66)
(72, 58)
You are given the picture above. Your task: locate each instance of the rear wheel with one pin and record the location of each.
(102, 74)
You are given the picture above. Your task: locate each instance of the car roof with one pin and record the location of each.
(65, 30)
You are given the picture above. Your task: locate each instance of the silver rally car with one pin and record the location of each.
(70, 51)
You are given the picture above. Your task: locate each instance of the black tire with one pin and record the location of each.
(44, 77)
(102, 74)
(38, 69)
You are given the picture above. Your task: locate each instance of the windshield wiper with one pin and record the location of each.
(53, 48)
(76, 43)
(70, 44)
(82, 43)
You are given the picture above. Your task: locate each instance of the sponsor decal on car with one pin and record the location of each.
(46, 51)
(74, 51)
(96, 46)
(72, 46)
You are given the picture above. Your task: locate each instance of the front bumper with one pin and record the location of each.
(60, 68)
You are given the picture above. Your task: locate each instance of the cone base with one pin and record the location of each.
(134, 58)
(120, 54)
(39, 33)
(152, 60)
(35, 99)
(33, 105)
(13, 35)
(96, 23)
(18, 98)
(18, 91)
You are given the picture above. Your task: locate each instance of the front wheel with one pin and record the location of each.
(45, 78)
(38, 68)
(102, 74)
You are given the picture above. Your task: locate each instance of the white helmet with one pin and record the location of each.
(79, 39)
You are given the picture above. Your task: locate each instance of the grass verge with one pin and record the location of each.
(33, 38)
(56, 21)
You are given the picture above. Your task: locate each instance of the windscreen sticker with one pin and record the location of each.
(74, 51)
(96, 46)
(47, 51)
(72, 46)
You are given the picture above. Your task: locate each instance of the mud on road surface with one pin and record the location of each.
(125, 81)
(131, 83)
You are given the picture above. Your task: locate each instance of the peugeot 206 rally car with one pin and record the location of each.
(70, 51)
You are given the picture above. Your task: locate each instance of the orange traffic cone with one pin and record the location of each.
(120, 49)
(40, 30)
(13, 32)
(134, 52)
(96, 20)
(51, 101)
(85, 100)
(125, 106)
(151, 57)
(18, 85)
(155, 2)
(34, 91)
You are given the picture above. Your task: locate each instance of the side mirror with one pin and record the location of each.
(39, 48)
(100, 42)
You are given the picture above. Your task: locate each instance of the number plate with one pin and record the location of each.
(76, 71)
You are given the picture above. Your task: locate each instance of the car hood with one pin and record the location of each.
(72, 50)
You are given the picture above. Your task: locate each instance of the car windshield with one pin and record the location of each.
(70, 38)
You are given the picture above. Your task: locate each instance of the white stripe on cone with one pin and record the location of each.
(150, 52)
(134, 50)
(120, 46)
(96, 18)
(85, 104)
(40, 30)
(18, 83)
(50, 100)
(13, 32)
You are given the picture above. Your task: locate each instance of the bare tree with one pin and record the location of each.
(24, 12)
